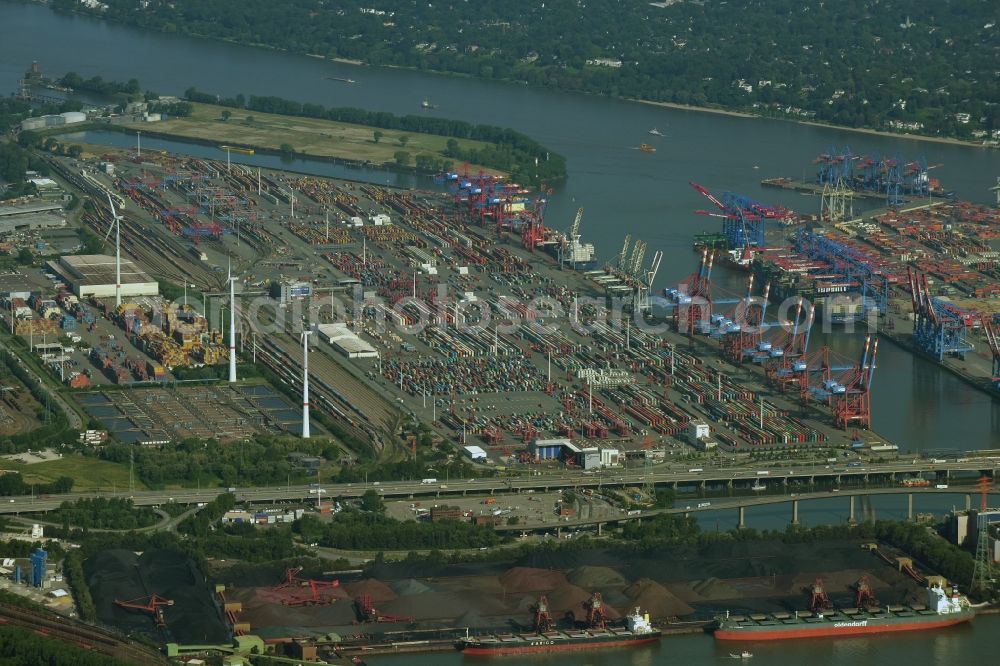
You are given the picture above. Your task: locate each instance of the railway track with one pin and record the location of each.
(333, 388)
(160, 255)
(78, 633)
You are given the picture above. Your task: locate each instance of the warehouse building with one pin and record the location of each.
(94, 275)
(475, 453)
(346, 341)
(31, 216)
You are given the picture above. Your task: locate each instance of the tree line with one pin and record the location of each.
(108, 513)
(354, 530)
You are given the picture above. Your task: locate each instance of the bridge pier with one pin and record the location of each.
(795, 512)
(600, 529)
(687, 515)
(968, 502)
(850, 515)
(742, 522)
(909, 507)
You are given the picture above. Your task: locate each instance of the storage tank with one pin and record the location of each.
(74, 117)
(53, 121)
(32, 123)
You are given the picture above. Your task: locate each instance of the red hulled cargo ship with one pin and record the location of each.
(942, 610)
(546, 638)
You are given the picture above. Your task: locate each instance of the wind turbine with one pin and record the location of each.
(118, 250)
(232, 322)
(305, 383)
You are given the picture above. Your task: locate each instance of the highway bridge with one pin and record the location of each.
(667, 476)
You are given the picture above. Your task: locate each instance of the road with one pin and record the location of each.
(611, 478)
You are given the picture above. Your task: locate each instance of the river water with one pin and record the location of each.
(622, 190)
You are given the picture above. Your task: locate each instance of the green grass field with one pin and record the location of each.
(310, 136)
(87, 473)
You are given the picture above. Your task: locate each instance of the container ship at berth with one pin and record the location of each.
(942, 610)
(545, 638)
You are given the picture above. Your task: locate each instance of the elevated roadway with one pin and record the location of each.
(731, 476)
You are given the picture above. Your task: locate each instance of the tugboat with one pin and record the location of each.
(546, 638)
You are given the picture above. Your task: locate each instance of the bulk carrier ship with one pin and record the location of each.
(545, 638)
(942, 610)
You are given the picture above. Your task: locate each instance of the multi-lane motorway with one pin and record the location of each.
(664, 476)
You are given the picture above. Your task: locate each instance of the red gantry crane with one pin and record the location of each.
(694, 304)
(852, 406)
(306, 591)
(153, 605)
(367, 613)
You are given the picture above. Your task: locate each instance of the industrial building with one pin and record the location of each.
(31, 216)
(475, 453)
(287, 291)
(346, 341)
(964, 528)
(94, 275)
(42, 122)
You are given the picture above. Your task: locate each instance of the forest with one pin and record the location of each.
(858, 63)
(22, 647)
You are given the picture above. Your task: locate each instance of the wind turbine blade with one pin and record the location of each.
(114, 217)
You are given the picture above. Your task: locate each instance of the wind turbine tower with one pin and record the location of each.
(305, 384)
(116, 218)
(232, 325)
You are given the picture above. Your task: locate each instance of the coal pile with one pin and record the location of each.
(194, 617)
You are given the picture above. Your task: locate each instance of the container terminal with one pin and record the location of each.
(584, 381)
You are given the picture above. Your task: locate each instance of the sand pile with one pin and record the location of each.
(615, 597)
(567, 598)
(712, 589)
(590, 577)
(376, 589)
(527, 579)
(655, 599)
(409, 587)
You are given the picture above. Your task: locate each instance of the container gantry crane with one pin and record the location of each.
(852, 406)
(991, 326)
(939, 327)
(790, 368)
(694, 296)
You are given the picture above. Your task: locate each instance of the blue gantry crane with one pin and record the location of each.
(743, 221)
(850, 262)
(939, 327)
